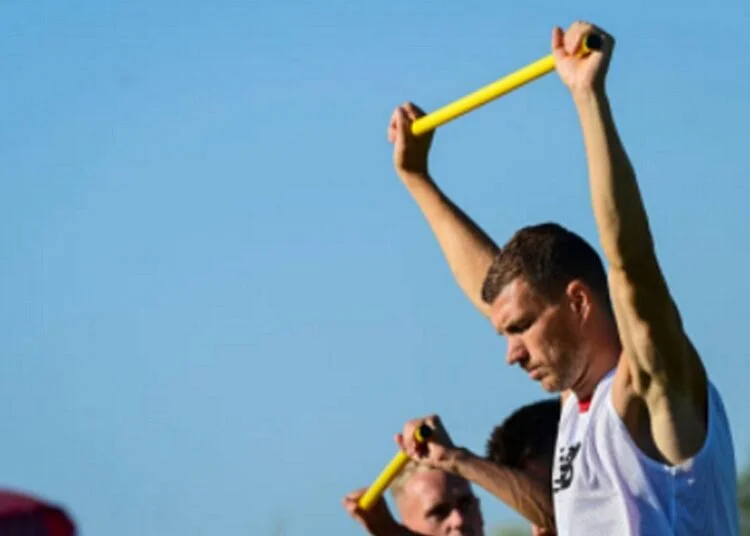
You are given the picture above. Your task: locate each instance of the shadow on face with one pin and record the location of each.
(435, 503)
(542, 336)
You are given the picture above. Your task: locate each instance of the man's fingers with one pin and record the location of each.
(354, 512)
(579, 30)
(402, 121)
(355, 495)
(408, 447)
(558, 43)
(352, 508)
(441, 434)
(574, 36)
(422, 450)
(392, 127)
(608, 42)
(569, 43)
(399, 124)
(411, 447)
(413, 111)
(350, 505)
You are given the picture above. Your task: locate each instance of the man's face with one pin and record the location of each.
(543, 337)
(435, 503)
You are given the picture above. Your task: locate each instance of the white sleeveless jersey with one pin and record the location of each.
(603, 484)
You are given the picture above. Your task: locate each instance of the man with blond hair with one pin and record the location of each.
(432, 502)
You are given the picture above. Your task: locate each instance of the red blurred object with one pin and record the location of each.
(24, 515)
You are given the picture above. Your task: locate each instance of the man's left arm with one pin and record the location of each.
(662, 366)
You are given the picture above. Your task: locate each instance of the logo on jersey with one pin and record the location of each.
(564, 467)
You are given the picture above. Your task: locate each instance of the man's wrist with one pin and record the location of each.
(421, 187)
(588, 97)
(415, 177)
(458, 459)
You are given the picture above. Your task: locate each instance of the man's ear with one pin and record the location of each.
(580, 299)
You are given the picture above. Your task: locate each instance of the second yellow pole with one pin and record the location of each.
(376, 490)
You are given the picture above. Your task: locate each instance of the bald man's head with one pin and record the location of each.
(436, 503)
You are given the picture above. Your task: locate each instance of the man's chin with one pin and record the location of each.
(550, 384)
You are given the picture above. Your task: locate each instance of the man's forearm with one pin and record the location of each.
(530, 497)
(618, 207)
(467, 248)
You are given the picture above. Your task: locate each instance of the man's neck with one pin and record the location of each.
(602, 356)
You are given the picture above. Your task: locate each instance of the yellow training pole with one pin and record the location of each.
(385, 478)
(496, 89)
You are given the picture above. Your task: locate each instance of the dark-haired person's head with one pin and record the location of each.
(526, 439)
(548, 292)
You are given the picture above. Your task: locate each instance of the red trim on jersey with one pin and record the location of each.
(584, 405)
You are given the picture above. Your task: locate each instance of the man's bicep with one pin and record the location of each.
(659, 353)
(662, 368)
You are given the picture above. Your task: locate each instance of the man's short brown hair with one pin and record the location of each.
(548, 257)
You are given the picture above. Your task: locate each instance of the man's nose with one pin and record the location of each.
(456, 520)
(516, 351)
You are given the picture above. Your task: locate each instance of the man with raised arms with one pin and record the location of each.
(644, 445)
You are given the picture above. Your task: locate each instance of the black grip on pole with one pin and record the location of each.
(424, 432)
(594, 41)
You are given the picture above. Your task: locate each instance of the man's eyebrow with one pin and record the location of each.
(509, 327)
(520, 323)
(464, 497)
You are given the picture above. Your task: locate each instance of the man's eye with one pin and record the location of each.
(440, 513)
(520, 326)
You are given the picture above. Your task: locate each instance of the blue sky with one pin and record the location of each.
(217, 302)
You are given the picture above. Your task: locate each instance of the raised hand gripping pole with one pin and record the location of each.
(496, 89)
(376, 490)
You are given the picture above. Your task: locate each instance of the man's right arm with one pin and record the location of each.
(466, 247)
(528, 496)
